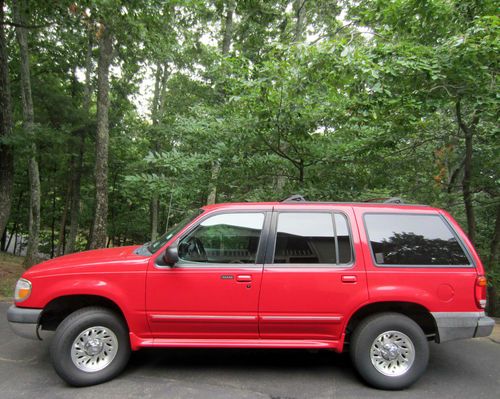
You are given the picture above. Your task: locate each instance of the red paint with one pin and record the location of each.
(257, 305)
(213, 307)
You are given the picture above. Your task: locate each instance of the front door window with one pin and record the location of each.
(223, 238)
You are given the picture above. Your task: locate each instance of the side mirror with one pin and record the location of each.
(171, 256)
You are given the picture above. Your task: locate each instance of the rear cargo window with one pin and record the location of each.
(413, 240)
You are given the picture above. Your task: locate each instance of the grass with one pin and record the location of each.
(11, 268)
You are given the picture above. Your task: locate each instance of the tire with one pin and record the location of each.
(90, 346)
(389, 351)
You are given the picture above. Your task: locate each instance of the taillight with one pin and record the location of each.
(480, 290)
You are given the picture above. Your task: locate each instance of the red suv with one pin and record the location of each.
(380, 280)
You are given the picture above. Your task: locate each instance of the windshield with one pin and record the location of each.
(160, 242)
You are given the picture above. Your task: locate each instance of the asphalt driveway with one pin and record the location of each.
(462, 369)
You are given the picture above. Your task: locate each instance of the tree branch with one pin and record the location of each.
(16, 25)
(279, 152)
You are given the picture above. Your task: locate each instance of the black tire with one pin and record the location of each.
(365, 335)
(66, 334)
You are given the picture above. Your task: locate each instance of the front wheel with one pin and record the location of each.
(389, 350)
(90, 346)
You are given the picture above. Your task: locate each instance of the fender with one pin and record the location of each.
(123, 289)
(401, 293)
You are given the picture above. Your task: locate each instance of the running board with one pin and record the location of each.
(137, 343)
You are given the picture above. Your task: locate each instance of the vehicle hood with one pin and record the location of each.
(112, 259)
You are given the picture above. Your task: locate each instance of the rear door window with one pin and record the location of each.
(413, 240)
(312, 237)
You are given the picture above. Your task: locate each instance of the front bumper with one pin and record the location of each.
(462, 325)
(24, 321)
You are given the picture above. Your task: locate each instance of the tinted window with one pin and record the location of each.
(310, 238)
(160, 242)
(225, 238)
(343, 238)
(413, 240)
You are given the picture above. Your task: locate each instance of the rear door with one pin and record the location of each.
(313, 277)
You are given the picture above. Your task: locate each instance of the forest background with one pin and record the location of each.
(119, 117)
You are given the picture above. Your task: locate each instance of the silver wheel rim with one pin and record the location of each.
(94, 349)
(392, 353)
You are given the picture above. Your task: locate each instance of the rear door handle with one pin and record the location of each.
(349, 279)
(244, 278)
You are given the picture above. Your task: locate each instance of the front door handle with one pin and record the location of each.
(244, 278)
(349, 279)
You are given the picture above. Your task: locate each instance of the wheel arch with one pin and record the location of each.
(418, 313)
(59, 308)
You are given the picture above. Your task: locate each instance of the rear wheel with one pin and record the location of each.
(389, 350)
(90, 346)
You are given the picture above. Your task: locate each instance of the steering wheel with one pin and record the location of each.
(193, 250)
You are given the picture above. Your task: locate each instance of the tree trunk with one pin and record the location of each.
(76, 176)
(77, 166)
(14, 228)
(227, 37)
(113, 209)
(3, 240)
(466, 182)
(155, 146)
(11, 235)
(466, 188)
(299, 7)
(158, 104)
(6, 154)
(64, 217)
(163, 91)
(492, 265)
(212, 193)
(53, 222)
(156, 94)
(15, 243)
(301, 168)
(102, 140)
(154, 216)
(20, 9)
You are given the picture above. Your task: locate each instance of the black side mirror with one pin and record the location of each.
(171, 256)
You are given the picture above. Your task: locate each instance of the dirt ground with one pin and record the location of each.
(11, 268)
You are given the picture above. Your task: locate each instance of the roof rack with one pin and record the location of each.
(384, 200)
(391, 200)
(394, 200)
(295, 198)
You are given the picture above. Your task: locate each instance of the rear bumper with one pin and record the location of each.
(24, 321)
(462, 325)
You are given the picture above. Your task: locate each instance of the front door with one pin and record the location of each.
(312, 279)
(213, 291)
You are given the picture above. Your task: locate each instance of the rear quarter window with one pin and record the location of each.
(413, 240)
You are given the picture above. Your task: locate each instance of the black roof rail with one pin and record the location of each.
(384, 200)
(294, 198)
(394, 200)
(391, 200)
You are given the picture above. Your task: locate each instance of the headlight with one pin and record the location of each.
(23, 290)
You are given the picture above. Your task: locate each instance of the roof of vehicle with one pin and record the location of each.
(314, 204)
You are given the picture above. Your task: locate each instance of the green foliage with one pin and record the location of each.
(364, 106)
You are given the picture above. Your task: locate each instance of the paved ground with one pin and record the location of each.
(462, 369)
